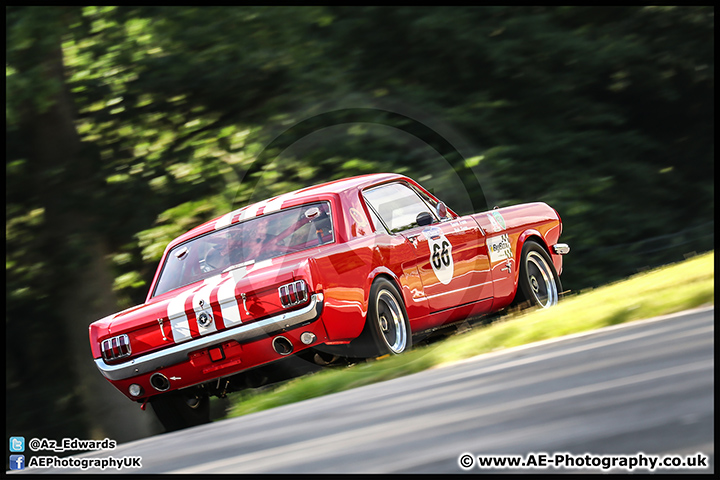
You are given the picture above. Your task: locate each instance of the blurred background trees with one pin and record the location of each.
(126, 126)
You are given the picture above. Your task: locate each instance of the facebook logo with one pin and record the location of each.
(17, 462)
(17, 444)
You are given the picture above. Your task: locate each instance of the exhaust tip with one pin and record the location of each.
(159, 382)
(307, 338)
(282, 346)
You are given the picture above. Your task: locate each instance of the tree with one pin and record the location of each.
(126, 126)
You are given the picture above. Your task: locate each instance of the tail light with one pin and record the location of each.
(293, 293)
(116, 347)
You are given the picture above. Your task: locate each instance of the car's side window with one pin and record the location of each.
(433, 204)
(379, 227)
(397, 204)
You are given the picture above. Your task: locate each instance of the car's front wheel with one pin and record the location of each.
(539, 284)
(177, 410)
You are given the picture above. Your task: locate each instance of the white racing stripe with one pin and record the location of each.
(227, 219)
(204, 295)
(179, 321)
(248, 211)
(226, 296)
(256, 208)
(262, 264)
(244, 214)
(275, 204)
(178, 318)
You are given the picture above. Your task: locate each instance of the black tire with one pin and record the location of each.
(177, 410)
(539, 283)
(387, 324)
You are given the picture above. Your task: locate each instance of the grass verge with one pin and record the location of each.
(668, 289)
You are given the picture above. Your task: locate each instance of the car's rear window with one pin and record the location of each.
(254, 240)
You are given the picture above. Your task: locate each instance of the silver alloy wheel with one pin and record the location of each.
(541, 279)
(391, 321)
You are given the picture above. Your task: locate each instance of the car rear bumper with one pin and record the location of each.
(180, 353)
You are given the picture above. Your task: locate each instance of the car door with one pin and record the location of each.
(451, 259)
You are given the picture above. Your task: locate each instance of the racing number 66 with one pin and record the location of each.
(440, 255)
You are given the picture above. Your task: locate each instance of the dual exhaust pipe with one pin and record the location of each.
(280, 344)
(283, 346)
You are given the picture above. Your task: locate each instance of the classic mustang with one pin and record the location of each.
(351, 268)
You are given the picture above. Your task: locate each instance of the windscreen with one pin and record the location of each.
(245, 243)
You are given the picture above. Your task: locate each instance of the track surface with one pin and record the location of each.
(640, 387)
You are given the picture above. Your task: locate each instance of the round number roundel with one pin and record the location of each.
(441, 258)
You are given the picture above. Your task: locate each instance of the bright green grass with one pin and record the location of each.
(665, 290)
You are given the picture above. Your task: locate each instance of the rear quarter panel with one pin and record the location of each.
(529, 221)
(345, 274)
(339, 271)
(346, 271)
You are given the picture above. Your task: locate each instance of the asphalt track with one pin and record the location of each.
(645, 386)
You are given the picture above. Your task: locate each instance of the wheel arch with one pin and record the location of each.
(534, 235)
(527, 235)
(387, 274)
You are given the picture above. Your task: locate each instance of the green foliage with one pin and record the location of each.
(184, 113)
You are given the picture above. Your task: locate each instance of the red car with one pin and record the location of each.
(350, 268)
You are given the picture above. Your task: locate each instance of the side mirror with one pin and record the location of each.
(424, 218)
(441, 210)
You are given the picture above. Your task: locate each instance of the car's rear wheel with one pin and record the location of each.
(539, 283)
(387, 320)
(177, 410)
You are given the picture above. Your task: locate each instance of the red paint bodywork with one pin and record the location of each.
(343, 273)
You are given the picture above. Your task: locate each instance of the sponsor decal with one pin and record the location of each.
(499, 248)
(358, 217)
(441, 258)
(498, 216)
(432, 233)
(494, 223)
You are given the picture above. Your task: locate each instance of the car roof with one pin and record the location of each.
(298, 196)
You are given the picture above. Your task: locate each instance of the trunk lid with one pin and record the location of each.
(239, 296)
